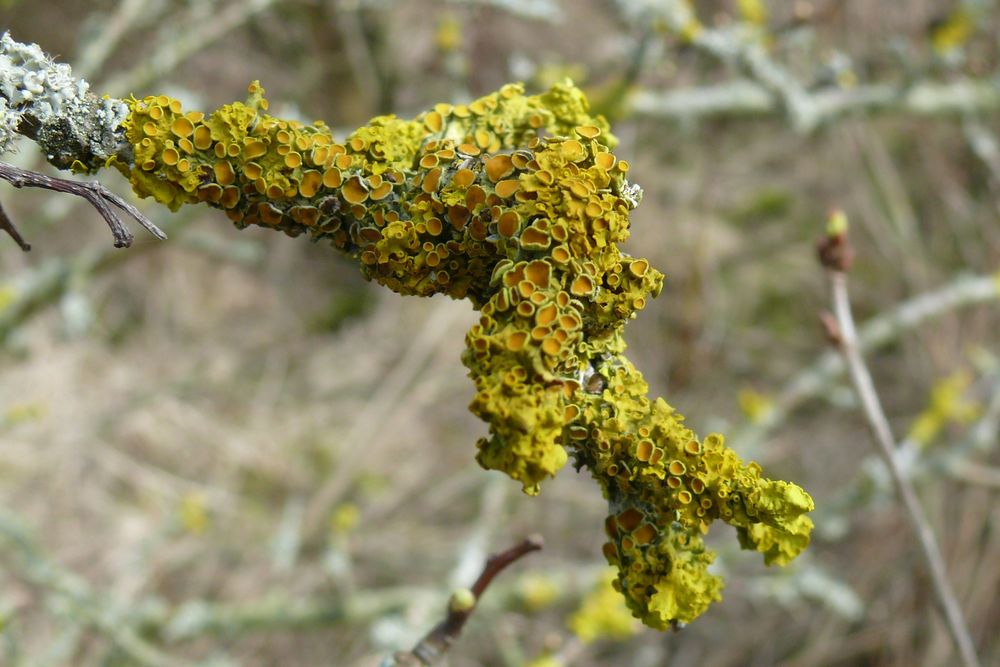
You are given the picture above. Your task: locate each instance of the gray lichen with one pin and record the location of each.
(41, 99)
(8, 126)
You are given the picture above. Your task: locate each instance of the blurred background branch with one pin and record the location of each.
(748, 98)
(770, 88)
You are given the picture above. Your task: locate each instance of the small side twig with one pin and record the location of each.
(7, 225)
(835, 254)
(96, 194)
(436, 643)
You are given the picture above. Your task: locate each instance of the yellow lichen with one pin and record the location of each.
(516, 203)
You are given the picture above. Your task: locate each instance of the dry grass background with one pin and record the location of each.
(172, 414)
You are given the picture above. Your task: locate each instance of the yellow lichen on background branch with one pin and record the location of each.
(517, 203)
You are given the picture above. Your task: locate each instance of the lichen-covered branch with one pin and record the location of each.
(517, 204)
(41, 99)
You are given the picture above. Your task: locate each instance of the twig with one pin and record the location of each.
(831, 253)
(99, 197)
(747, 98)
(870, 487)
(436, 643)
(7, 225)
(499, 562)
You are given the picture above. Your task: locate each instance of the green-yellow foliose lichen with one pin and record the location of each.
(516, 203)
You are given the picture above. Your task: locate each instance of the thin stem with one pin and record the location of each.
(497, 563)
(868, 395)
(744, 97)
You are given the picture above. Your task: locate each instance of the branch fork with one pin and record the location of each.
(105, 201)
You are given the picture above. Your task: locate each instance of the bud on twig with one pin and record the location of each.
(834, 250)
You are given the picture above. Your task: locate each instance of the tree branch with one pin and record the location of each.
(42, 100)
(355, 193)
